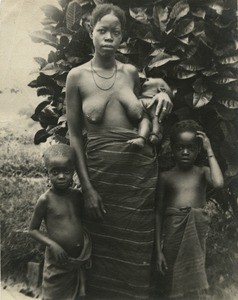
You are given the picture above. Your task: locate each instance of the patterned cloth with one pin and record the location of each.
(125, 176)
(184, 249)
(66, 282)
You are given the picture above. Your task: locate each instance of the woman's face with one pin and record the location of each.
(107, 35)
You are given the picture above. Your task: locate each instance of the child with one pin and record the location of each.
(68, 245)
(150, 128)
(180, 214)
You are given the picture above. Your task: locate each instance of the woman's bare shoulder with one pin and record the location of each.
(128, 68)
(79, 70)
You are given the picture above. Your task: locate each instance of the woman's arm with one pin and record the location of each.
(93, 202)
(159, 215)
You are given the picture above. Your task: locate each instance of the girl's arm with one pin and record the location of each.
(213, 174)
(159, 215)
(93, 202)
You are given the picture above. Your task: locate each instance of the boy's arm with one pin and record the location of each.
(38, 215)
(213, 174)
(159, 215)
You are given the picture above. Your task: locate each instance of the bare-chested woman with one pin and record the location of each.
(118, 179)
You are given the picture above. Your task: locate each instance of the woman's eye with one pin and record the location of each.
(116, 33)
(54, 173)
(102, 31)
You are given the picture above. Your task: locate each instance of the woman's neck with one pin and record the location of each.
(104, 62)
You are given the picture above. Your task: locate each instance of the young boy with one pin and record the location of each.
(150, 128)
(180, 215)
(68, 245)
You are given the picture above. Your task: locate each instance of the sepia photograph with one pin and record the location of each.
(119, 149)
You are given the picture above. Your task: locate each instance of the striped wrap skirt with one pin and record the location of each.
(125, 176)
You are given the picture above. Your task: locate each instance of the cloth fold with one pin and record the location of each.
(66, 282)
(184, 248)
(125, 176)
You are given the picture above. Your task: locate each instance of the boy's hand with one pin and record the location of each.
(161, 264)
(205, 140)
(60, 255)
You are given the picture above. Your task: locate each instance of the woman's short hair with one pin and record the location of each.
(184, 126)
(104, 9)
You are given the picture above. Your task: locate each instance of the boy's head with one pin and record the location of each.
(59, 161)
(184, 142)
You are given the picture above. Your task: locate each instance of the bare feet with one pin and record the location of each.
(139, 142)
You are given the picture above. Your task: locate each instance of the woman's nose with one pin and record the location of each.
(109, 36)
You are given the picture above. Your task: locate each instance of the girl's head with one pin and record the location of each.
(185, 143)
(106, 9)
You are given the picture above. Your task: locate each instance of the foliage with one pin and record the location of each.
(191, 44)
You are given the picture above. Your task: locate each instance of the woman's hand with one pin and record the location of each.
(161, 264)
(164, 105)
(93, 204)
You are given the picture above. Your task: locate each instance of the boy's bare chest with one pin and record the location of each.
(62, 209)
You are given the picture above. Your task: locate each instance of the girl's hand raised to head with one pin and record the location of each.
(205, 140)
(93, 204)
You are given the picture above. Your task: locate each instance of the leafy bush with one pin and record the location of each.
(191, 44)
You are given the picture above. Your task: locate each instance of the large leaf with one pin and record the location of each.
(63, 3)
(183, 74)
(230, 103)
(184, 27)
(160, 16)
(191, 64)
(39, 108)
(139, 14)
(200, 85)
(73, 14)
(201, 99)
(199, 12)
(50, 69)
(179, 10)
(41, 136)
(41, 61)
(223, 79)
(229, 60)
(161, 58)
(45, 37)
(52, 12)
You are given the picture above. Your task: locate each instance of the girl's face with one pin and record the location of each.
(107, 35)
(186, 149)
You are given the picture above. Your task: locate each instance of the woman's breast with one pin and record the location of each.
(115, 107)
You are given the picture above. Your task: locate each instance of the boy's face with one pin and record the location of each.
(107, 35)
(60, 172)
(186, 149)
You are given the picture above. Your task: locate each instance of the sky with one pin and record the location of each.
(18, 18)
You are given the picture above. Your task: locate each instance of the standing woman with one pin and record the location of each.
(118, 179)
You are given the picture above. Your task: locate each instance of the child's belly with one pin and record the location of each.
(69, 235)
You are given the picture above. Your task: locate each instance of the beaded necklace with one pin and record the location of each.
(94, 79)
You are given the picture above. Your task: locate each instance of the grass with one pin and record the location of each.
(23, 180)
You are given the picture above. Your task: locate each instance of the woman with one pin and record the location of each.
(118, 179)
